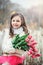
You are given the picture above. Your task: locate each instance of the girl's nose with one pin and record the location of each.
(15, 23)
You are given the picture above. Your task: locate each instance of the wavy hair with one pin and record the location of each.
(23, 24)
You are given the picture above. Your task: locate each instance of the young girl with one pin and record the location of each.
(17, 26)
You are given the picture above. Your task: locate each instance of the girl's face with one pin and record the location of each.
(16, 22)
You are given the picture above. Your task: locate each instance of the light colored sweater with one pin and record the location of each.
(6, 43)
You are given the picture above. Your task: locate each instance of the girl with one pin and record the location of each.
(12, 56)
(17, 26)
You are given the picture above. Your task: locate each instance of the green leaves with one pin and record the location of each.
(20, 43)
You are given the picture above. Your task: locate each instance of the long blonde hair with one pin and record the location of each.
(23, 24)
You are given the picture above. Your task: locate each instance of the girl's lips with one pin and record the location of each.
(15, 25)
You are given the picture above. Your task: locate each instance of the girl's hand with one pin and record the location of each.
(25, 54)
(19, 52)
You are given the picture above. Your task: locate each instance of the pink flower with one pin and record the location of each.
(36, 55)
(27, 40)
(30, 51)
(35, 50)
(33, 56)
(32, 39)
(29, 36)
(32, 43)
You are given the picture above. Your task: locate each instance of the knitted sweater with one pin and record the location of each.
(6, 43)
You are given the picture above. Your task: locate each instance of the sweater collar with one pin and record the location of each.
(18, 31)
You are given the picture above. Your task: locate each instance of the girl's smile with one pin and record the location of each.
(16, 22)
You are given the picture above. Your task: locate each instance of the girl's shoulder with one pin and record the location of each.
(5, 32)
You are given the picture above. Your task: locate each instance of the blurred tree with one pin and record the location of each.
(4, 11)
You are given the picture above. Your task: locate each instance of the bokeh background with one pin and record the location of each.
(33, 13)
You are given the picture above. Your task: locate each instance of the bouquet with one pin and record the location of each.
(20, 43)
(26, 43)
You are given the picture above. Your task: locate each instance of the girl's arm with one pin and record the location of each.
(1, 39)
(6, 42)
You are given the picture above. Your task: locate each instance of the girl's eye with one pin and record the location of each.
(17, 21)
(13, 20)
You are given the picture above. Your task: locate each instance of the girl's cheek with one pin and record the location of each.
(12, 24)
(19, 24)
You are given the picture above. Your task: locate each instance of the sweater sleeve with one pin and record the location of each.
(1, 38)
(6, 43)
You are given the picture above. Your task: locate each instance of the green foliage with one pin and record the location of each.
(20, 43)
